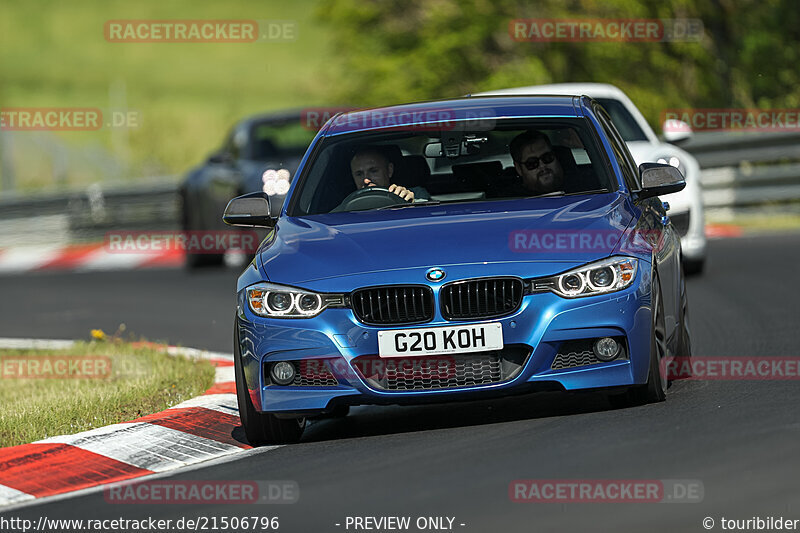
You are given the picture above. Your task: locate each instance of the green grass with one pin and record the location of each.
(141, 380)
(54, 54)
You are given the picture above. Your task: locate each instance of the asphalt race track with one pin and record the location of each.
(741, 439)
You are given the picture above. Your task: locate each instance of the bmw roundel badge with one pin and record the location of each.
(435, 274)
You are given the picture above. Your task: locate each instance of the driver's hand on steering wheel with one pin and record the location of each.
(399, 190)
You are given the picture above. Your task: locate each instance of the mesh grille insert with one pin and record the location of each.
(313, 373)
(573, 359)
(442, 371)
(577, 353)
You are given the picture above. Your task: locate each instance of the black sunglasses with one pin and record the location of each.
(533, 162)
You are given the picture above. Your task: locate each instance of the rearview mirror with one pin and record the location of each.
(433, 150)
(251, 210)
(658, 179)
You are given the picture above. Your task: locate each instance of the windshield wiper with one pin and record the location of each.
(412, 204)
(595, 191)
(554, 195)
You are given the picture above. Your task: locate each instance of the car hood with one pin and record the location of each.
(347, 244)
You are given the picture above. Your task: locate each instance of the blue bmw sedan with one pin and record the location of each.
(454, 250)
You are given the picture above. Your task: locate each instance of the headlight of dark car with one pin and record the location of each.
(602, 277)
(278, 301)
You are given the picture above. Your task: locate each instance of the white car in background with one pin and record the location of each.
(686, 206)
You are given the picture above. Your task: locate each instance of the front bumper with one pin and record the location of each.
(543, 324)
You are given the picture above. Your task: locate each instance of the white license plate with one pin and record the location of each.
(443, 340)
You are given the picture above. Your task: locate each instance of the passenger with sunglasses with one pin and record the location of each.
(536, 164)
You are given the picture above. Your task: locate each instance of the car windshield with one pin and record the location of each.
(446, 164)
(623, 120)
(279, 140)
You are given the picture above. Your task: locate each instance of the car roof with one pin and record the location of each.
(595, 90)
(460, 109)
(278, 117)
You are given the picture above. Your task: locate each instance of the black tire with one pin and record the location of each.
(261, 428)
(655, 389)
(693, 267)
(684, 349)
(195, 261)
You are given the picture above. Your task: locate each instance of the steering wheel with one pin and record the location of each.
(369, 198)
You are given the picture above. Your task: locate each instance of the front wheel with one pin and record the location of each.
(260, 428)
(684, 348)
(694, 267)
(655, 389)
(195, 261)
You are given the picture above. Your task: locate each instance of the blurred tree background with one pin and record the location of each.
(54, 54)
(351, 52)
(420, 49)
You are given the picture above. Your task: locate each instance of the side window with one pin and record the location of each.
(630, 171)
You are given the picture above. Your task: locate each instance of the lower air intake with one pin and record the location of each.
(442, 371)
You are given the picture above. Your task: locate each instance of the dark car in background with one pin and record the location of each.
(254, 145)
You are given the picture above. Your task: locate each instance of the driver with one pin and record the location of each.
(371, 168)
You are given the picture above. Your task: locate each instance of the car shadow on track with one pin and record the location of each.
(368, 421)
(379, 420)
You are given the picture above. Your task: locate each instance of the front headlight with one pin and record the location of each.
(609, 275)
(279, 301)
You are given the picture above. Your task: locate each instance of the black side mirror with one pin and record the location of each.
(251, 210)
(659, 179)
